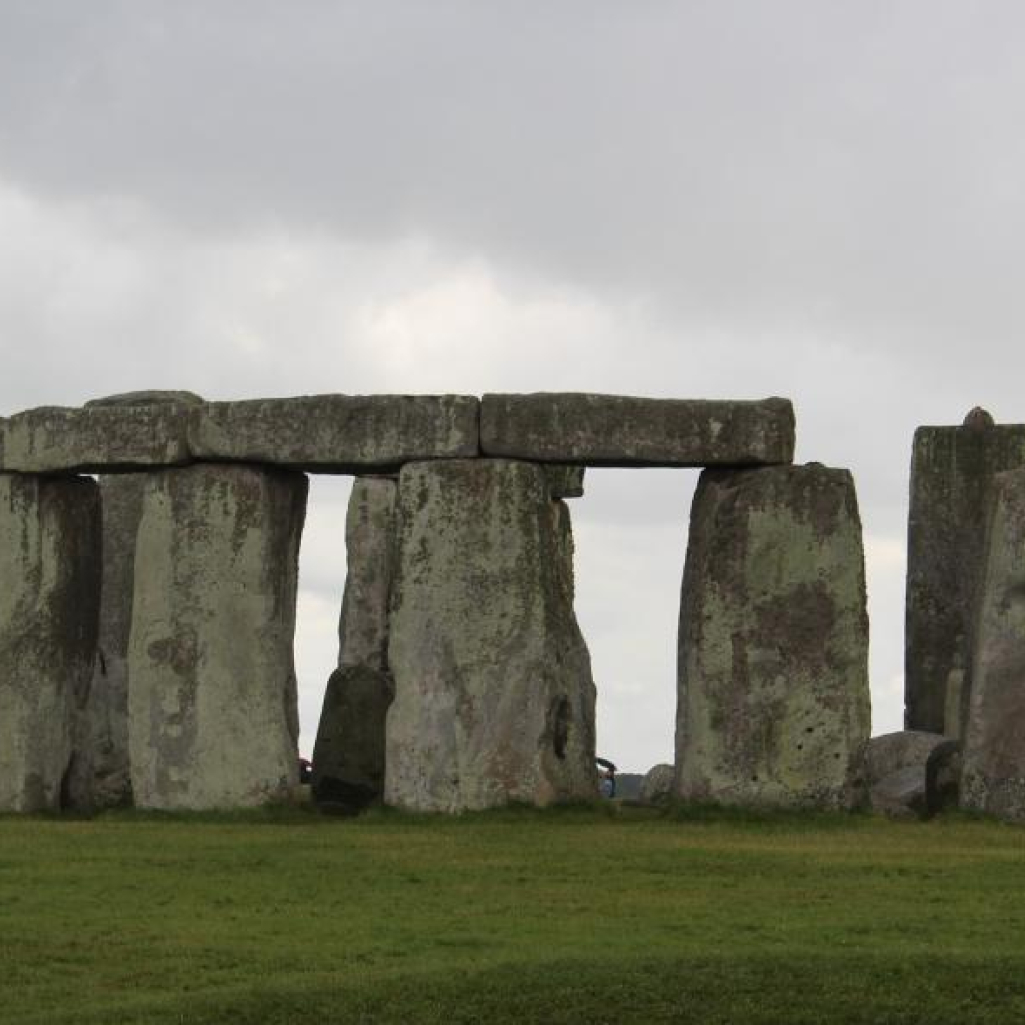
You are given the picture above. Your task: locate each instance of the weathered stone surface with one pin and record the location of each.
(895, 771)
(904, 749)
(658, 783)
(337, 433)
(620, 430)
(565, 548)
(943, 777)
(900, 794)
(57, 439)
(951, 468)
(49, 602)
(99, 775)
(494, 700)
(370, 548)
(349, 755)
(348, 759)
(564, 481)
(212, 702)
(993, 773)
(773, 703)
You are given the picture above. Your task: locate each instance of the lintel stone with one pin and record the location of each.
(95, 439)
(337, 433)
(621, 430)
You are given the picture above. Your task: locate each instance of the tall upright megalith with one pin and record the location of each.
(494, 700)
(212, 703)
(49, 600)
(951, 469)
(773, 705)
(99, 775)
(349, 756)
(993, 766)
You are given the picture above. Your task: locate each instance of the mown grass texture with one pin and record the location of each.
(576, 915)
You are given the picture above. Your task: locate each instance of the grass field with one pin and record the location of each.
(576, 915)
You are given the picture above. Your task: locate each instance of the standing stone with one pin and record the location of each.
(50, 566)
(773, 700)
(370, 552)
(99, 776)
(494, 700)
(951, 469)
(212, 704)
(993, 773)
(349, 755)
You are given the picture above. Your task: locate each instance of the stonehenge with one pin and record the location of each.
(147, 620)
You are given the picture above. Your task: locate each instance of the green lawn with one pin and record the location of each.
(519, 916)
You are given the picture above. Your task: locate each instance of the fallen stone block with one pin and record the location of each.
(494, 700)
(620, 430)
(951, 470)
(94, 439)
(896, 771)
(212, 700)
(903, 749)
(773, 704)
(900, 794)
(993, 773)
(657, 785)
(337, 433)
(49, 602)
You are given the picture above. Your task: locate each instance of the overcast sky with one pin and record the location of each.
(821, 200)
